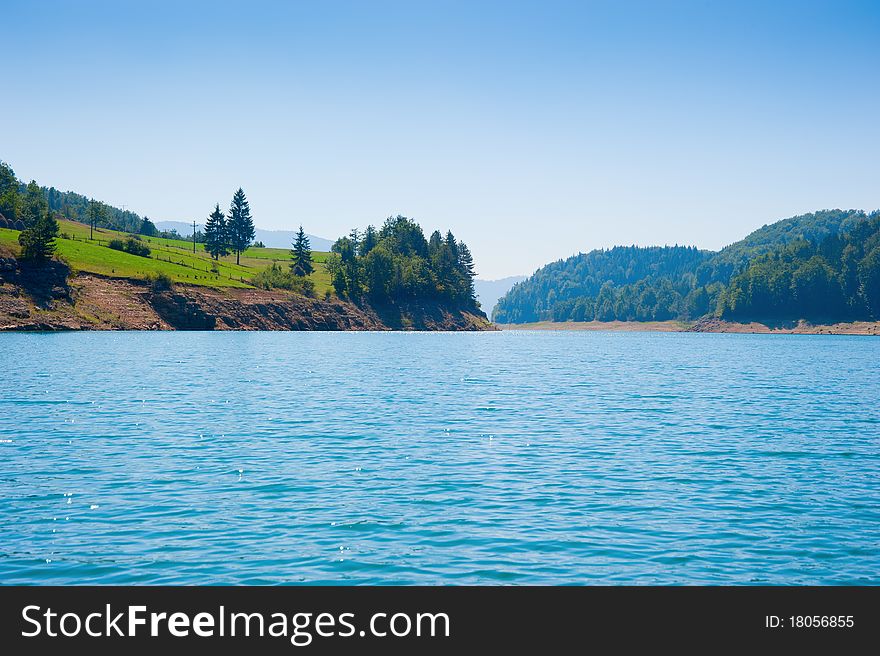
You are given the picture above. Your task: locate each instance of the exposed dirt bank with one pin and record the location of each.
(801, 327)
(709, 326)
(48, 298)
(625, 326)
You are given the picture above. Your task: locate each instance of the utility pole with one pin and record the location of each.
(194, 236)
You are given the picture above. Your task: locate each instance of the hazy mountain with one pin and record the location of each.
(270, 238)
(489, 291)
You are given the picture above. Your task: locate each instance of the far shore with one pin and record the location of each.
(620, 326)
(707, 326)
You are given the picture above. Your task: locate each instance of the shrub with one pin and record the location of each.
(136, 247)
(159, 282)
(274, 277)
(131, 245)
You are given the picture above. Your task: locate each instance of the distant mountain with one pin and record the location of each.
(270, 238)
(489, 291)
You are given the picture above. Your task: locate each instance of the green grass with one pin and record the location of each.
(173, 257)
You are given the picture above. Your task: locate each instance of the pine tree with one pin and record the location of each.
(148, 228)
(216, 234)
(466, 262)
(302, 255)
(241, 224)
(369, 240)
(9, 198)
(34, 205)
(37, 240)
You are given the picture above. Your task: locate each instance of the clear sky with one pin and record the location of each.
(532, 130)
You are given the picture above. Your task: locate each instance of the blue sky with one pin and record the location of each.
(532, 130)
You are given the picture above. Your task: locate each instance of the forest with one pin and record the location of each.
(396, 263)
(824, 265)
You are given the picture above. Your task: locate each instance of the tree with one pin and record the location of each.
(369, 240)
(37, 240)
(379, 272)
(869, 278)
(466, 262)
(241, 224)
(97, 213)
(217, 234)
(816, 289)
(34, 205)
(302, 255)
(148, 228)
(346, 269)
(9, 198)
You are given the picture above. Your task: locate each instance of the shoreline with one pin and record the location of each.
(54, 301)
(801, 327)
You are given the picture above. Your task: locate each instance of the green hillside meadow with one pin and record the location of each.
(172, 257)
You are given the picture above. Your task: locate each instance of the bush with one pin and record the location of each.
(132, 245)
(135, 247)
(160, 282)
(274, 277)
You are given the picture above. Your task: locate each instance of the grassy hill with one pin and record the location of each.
(172, 257)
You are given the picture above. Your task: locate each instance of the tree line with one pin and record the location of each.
(818, 265)
(836, 278)
(397, 263)
(627, 283)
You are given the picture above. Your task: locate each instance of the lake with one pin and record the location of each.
(439, 458)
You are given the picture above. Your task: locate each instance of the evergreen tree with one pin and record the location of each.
(34, 205)
(216, 234)
(369, 240)
(241, 224)
(9, 198)
(37, 240)
(466, 262)
(435, 245)
(148, 228)
(302, 255)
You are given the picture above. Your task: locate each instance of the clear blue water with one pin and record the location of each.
(501, 458)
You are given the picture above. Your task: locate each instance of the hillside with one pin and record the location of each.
(93, 287)
(171, 257)
(812, 227)
(678, 283)
(564, 288)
